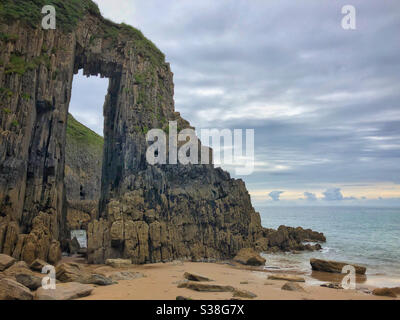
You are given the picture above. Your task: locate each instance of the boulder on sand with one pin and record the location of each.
(243, 294)
(17, 268)
(6, 261)
(196, 286)
(250, 257)
(12, 290)
(29, 280)
(292, 286)
(70, 272)
(119, 263)
(334, 266)
(73, 272)
(195, 277)
(65, 291)
(125, 275)
(37, 265)
(385, 292)
(97, 279)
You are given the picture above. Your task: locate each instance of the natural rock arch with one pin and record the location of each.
(147, 213)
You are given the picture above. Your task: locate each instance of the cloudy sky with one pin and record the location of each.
(324, 101)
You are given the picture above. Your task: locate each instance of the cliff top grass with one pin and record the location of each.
(68, 14)
(78, 133)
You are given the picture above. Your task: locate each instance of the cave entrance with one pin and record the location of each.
(84, 153)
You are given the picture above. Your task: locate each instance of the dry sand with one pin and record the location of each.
(161, 283)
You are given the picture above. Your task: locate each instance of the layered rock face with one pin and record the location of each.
(83, 162)
(193, 212)
(83, 165)
(146, 213)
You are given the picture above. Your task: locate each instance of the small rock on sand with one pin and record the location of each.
(385, 292)
(195, 277)
(70, 272)
(196, 286)
(292, 286)
(286, 277)
(65, 291)
(98, 279)
(125, 275)
(119, 263)
(243, 294)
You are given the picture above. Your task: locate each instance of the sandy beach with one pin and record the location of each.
(160, 282)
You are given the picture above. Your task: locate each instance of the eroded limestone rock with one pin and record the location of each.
(12, 290)
(29, 280)
(248, 256)
(6, 261)
(334, 266)
(38, 265)
(195, 277)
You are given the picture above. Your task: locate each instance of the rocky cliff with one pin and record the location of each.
(83, 162)
(147, 213)
(83, 165)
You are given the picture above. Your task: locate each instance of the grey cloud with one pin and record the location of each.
(333, 194)
(275, 195)
(310, 196)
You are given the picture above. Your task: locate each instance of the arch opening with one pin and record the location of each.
(84, 150)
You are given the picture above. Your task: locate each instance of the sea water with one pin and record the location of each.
(360, 235)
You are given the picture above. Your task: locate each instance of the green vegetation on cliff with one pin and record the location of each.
(68, 14)
(17, 64)
(79, 134)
